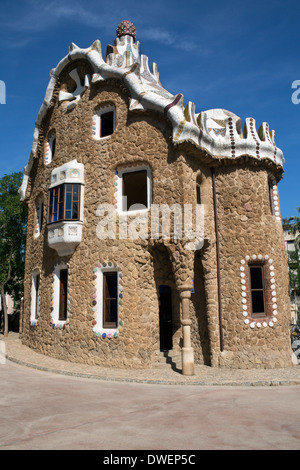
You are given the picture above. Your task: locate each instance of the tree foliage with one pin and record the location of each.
(13, 220)
(292, 224)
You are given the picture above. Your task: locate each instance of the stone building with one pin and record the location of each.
(292, 242)
(106, 282)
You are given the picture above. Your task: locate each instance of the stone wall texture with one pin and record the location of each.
(246, 227)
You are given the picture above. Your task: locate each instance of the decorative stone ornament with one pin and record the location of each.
(76, 95)
(126, 28)
(274, 198)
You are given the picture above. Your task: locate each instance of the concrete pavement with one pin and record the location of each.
(45, 411)
(48, 404)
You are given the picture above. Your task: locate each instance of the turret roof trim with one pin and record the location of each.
(217, 132)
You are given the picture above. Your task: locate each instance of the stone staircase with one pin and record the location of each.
(170, 357)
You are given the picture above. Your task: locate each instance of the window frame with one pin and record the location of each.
(99, 326)
(63, 290)
(257, 315)
(35, 295)
(105, 323)
(269, 317)
(64, 210)
(97, 121)
(56, 295)
(39, 216)
(50, 148)
(120, 185)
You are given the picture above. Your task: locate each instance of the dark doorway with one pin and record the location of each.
(165, 318)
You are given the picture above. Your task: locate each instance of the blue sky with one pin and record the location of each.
(240, 56)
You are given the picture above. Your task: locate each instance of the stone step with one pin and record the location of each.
(172, 357)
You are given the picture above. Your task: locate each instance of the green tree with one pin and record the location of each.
(292, 224)
(13, 220)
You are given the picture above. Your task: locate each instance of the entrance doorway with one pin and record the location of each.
(165, 318)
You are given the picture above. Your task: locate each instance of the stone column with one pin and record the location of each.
(187, 351)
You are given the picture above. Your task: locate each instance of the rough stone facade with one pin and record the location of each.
(208, 302)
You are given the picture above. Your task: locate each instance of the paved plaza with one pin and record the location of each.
(48, 404)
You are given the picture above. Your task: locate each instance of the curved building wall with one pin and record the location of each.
(142, 141)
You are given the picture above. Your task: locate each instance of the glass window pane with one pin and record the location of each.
(110, 292)
(113, 310)
(64, 202)
(256, 277)
(75, 192)
(50, 205)
(68, 201)
(61, 193)
(63, 294)
(75, 210)
(61, 211)
(258, 301)
(111, 279)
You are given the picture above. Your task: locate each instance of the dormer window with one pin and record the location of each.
(50, 148)
(104, 122)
